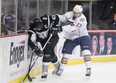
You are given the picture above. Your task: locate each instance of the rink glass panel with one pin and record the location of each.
(8, 17)
(24, 11)
(102, 13)
(23, 15)
(57, 6)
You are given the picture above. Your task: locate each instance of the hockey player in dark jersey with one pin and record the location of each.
(40, 31)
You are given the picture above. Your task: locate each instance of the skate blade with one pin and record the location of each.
(43, 79)
(87, 77)
(57, 76)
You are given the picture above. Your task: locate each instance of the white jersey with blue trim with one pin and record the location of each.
(76, 28)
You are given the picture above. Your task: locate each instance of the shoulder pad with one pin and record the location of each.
(45, 17)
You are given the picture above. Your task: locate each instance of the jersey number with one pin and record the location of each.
(78, 25)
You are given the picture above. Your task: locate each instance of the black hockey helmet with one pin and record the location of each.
(38, 24)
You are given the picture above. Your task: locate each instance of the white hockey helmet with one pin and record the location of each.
(78, 8)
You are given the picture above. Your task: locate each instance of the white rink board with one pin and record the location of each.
(14, 57)
(1, 64)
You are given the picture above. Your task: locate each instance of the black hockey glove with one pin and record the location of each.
(55, 27)
(38, 51)
(55, 30)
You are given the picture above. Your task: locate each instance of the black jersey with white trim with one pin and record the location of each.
(43, 34)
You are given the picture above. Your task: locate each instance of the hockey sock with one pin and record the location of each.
(64, 60)
(88, 64)
(61, 68)
(45, 66)
(46, 62)
(55, 62)
(63, 63)
(87, 60)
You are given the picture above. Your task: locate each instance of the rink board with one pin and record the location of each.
(18, 72)
(70, 62)
(15, 59)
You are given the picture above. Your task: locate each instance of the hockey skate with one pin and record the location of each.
(59, 72)
(88, 72)
(56, 65)
(44, 75)
(54, 71)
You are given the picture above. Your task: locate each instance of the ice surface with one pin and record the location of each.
(102, 72)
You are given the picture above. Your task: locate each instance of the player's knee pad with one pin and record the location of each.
(46, 58)
(86, 53)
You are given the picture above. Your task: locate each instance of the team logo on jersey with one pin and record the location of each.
(53, 17)
(82, 19)
(43, 34)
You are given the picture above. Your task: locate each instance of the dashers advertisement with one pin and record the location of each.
(16, 57)
(103, 43)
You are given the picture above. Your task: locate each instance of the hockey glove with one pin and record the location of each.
(70, 23)
(55, 30)
(38, 51)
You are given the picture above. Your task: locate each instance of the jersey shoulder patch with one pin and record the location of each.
(82, 19)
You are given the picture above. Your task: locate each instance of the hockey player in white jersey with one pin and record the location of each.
(76, 34)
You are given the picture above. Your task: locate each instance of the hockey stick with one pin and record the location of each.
(30, 79)
(30, 67)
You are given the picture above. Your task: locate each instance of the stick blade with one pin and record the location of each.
(29, 78)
